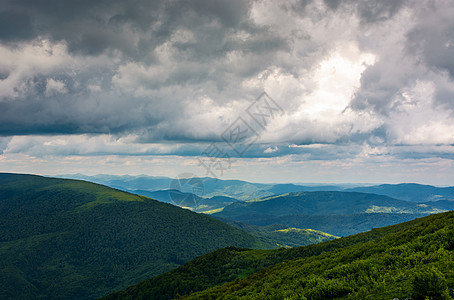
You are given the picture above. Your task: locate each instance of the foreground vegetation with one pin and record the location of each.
(413, 259)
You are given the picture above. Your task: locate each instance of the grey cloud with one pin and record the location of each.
(369, 11)
(91, 27)
(95, 27)
(423, 55)
(372, 11)
(422, 151)
(72, 114)
(380, 84)
(140, 91)
(445, 94)
(317, 152)
(4, 143)
(15, 26)
(433, 36)
(332, 4)
(84, 25)
(231, 13)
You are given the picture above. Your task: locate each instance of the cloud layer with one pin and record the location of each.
(169, 77)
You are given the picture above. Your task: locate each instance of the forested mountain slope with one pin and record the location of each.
(412, 259)
(64, 238)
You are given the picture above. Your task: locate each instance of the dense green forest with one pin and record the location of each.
(412, 259)
(73, 239)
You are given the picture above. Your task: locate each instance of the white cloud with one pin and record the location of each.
(55, 87)
(271, 149)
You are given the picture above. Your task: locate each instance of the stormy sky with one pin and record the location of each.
(355, 91)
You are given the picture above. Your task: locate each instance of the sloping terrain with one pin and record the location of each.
(73, 239)
(413, 259)
(283, 235)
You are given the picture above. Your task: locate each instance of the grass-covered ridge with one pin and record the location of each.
(415, 262)
(73, 239)
(284, 236)
(412, 259)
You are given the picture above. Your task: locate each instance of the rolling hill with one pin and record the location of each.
(339, 225)
(238, 189)
(63, 238)
(243, 190)
(283, 235)
(324, 203)
(337, 213)
(409, 191)
(408, 260)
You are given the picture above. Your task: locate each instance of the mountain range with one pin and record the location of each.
(243, 190)
(337, 213)
(380, 210)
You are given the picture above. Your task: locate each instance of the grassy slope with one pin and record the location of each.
(283, 235)
(73, 239)
(229, 264)
(417, 262)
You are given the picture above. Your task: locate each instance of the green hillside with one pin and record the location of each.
(236, 264)
(415, 262)
(64, 238)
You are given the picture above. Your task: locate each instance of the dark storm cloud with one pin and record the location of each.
(15, 26)
(433, 38)
(369, 11)
(84, 25)
(93, 26)
(374, 11)
(182, 71)
(130, 39)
